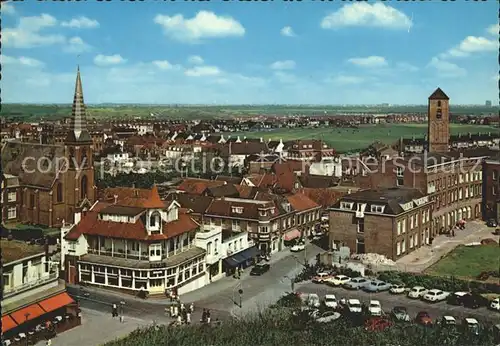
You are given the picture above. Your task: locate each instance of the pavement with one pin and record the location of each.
(389, 301)
(422, 258)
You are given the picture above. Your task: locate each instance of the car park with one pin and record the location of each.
(417, 292)
(423, 318)
(331, 301)
(321, 277)
(435, 295)
(495, 304)
(354, 306)
(397, 289)
(337, 280)
(375, 308)
(356, 283)
(400, 314)
(377, 324)
(298, 247)
(328, 316)
(259, 269)
(377, 286)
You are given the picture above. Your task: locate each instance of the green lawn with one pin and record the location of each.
(346, 139)
(468, 262)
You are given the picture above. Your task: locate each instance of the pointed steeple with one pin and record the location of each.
(78, 124)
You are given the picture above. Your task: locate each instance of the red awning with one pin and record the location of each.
(56, 302)
(7, 323)
(293, 234)
(28, 313)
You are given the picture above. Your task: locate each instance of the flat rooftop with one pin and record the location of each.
(13, 250)
(397, 194)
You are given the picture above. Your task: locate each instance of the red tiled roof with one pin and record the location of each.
(223, 207)
(301, 202)
(198, 186)
(324, 197)
(132, 197)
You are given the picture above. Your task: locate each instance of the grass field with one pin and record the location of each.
(346, 139)
(467, 262)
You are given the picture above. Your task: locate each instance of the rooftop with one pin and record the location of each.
(13, 250)
(397, 194)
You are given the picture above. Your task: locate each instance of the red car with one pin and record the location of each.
(423, 319)
(378, 324)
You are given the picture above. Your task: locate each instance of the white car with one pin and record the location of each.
(354, 305)
(436, 295)
(331, 301)
(495, 304)
(417, 292)
(397, 289)
(310, 299)
(338, 280)
(328, 316)
(298, 248)
(449, 321)
(375, 309)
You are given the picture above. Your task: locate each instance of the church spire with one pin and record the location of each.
(78, 122)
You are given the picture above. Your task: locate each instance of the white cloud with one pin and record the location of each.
(76, 45)
(368, 15)
(287, 31)
(446, 68)
(471, 45)
(81, 22)
(27, 33)
(204, 25)
(163, 64)
(195, 59)
(404, 66)
(283, 65)
(107, 60)
(371, 61)
(203, 71)
(7, 8)
(493, 29)
(25, 61)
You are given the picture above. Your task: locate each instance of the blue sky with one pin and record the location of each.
(250, 53)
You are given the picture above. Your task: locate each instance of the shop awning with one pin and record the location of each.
(241, 256)
(291, 235)
(28, 313)
(7, 323)
(56, 302)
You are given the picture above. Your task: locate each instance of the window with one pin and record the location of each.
(416, 220)
(494, 191)
(403, 246)
(460, 191)
(399, 227)
(398, 249)
(377, 209)
(361, 226)
(12, 213)
(411, 242)
(399, 172)
(11, 197)
(216, 246)
(403, 226)
(241, 243)
(236, 223)
(83, 187)
(6, 279)
(209, 248)
(439, 114)
(495, 174)
(346, 205)
(32, 200)
(411, 222)
(439, 103)
(59, 193)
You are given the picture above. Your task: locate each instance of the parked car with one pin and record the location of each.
(259, 269)
(377, 286)
(337, 280)
(310, 299)
(448, 321)
(356, 283)
(377, 324)
(328, 316)
(492, 223)
(456, 298)
(354, 306)
(471, 325)
(495, 304)
(469, 300)
(417, 292)
(298, 247)
(374, 308)
(321, 277)
(397, 289)
(331, 301)
(435, 295)
(423, 318)
(400, 314)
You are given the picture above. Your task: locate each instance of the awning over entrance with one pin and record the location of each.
(56, 302)
(291, 235)
(241, 257)
(7, 323)
(28, 313)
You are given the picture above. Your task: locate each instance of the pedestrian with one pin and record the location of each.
(115, 311)
(188, 317)
(203, 316)
(171, 311)
(239, 272)
(208, 316)
(179, 319)
(452, 232)
(183, 307)
(191, 307)
(176, 311)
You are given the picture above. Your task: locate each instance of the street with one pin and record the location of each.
(389, 301)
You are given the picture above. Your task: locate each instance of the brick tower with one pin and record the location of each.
(80, 186)
(438, 115)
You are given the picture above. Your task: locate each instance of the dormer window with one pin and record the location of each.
(346, 205)
(154, 221)
(237, 210)
(377, 209)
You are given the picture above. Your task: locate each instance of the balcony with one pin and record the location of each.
(8, 292)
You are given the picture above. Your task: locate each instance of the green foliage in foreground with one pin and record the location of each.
(288, 330)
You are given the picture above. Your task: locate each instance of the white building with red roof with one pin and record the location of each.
(132, 241)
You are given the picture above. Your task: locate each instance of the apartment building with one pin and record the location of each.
(392, 222)
(10, 194)
(491, 188)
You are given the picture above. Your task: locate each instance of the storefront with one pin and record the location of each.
(242, 260)
(291, 237)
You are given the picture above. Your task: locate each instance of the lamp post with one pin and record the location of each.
(292, 283)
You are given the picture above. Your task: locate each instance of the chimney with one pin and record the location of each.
(116, 199)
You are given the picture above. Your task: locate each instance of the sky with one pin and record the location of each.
(234, 52)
